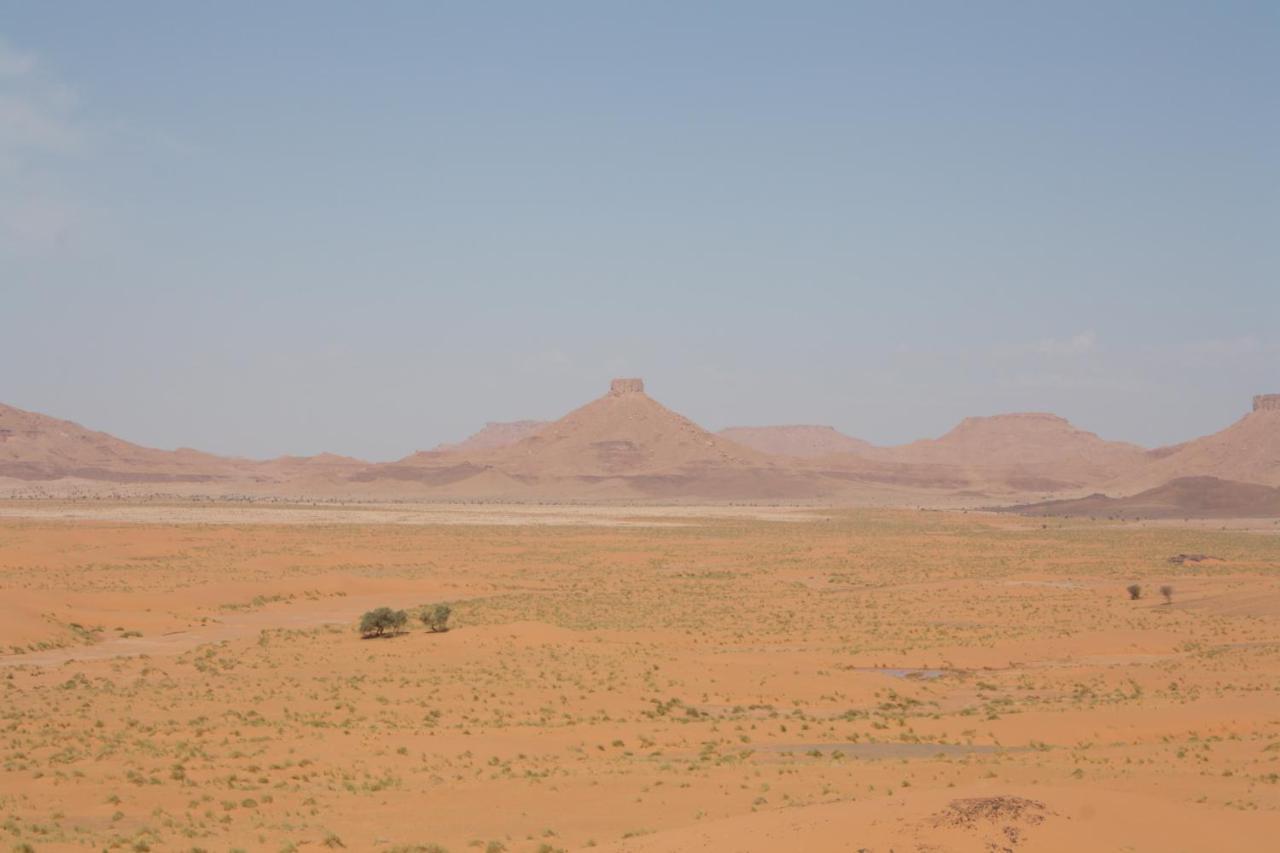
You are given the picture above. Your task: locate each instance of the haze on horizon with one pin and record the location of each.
(299, 227)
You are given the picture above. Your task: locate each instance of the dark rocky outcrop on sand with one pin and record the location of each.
(1186, 497)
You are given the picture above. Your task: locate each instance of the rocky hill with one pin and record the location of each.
(801, 440)
(1186, 497)
(626, 445)
(37, 447)
(1247, 451)
(493, 435)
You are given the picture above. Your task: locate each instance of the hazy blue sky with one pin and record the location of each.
(276, 227)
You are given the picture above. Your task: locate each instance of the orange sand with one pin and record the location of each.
(882, 680)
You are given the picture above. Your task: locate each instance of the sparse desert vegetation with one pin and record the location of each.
(723, 682)
(639, 427)
(382, 621)
(435, 617)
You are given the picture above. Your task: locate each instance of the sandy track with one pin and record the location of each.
(229, 627)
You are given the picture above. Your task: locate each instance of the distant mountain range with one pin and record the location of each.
(627, 446)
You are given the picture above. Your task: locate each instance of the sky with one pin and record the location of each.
(293, 227)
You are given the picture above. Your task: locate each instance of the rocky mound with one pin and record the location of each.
(1000, 822)
(1185, 497)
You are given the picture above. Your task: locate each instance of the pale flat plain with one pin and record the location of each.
(183, 677)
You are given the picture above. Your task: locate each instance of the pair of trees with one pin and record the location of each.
(379, 621)
(1135, 593)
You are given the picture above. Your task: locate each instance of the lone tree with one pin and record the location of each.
(435, 617)
(1167, 592)
(1135, 591)
(377, 622)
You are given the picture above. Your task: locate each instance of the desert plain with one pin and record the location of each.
(178, 676)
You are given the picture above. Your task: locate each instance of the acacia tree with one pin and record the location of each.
(435, 617)
(378, 621)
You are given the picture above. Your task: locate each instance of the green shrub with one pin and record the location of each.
(379, 621)
(435, 616)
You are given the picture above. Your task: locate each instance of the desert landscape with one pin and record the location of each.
(639, 427)
(634, 679)
(774, 638)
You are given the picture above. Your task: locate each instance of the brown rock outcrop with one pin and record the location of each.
(1267, 402)
(626, 386)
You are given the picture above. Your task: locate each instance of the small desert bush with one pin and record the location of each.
(1135, 591)
(435, 616)
(1167, 592)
